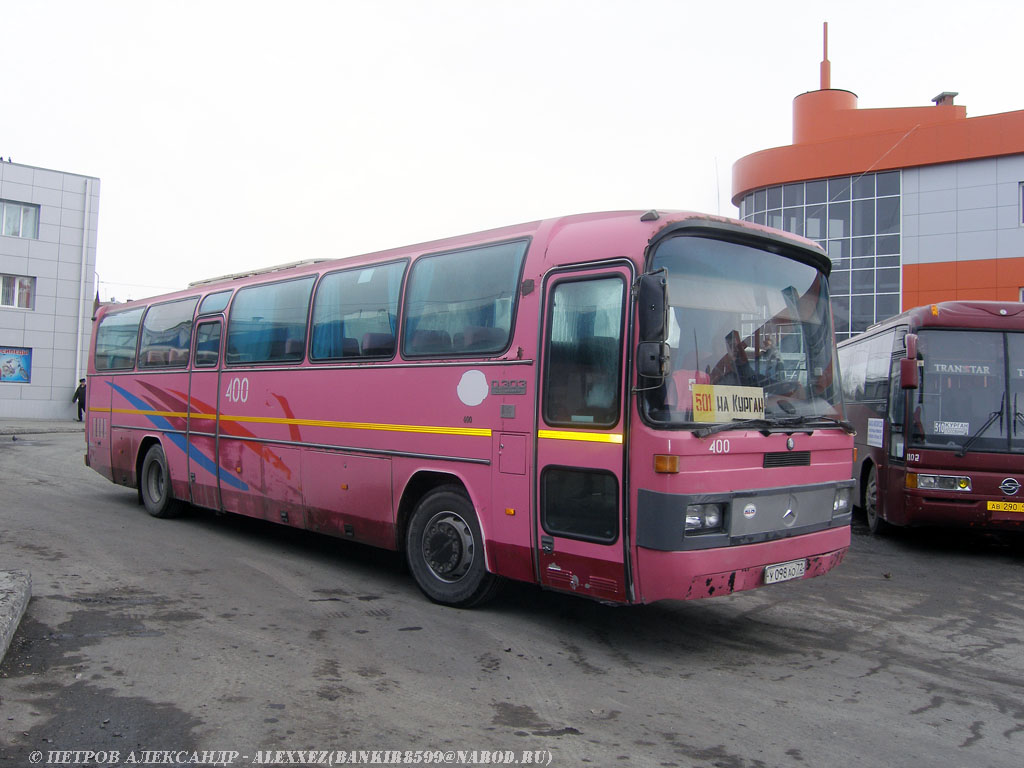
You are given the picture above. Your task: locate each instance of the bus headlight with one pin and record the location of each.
(841, 502)
(704, 518)
(938, 482)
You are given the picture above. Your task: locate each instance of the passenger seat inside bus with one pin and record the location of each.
(480, 338)
(430, 343)
(378, 344)
(178, 357)
(156, 358)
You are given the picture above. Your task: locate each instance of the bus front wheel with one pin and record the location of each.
(444, 548)
(155, 484)
(874, 518)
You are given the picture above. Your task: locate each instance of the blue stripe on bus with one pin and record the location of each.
(163, 424)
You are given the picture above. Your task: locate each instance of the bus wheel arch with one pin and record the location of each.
(154, 480)
(140, 456)
(444, 544)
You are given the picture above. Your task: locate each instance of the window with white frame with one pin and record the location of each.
(19, 219)
(17, 291)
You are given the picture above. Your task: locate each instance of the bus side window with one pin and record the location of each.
(116, 338)
(268, 322)
(461, 302)
(583, 357)
(208, 344)
(355, 312)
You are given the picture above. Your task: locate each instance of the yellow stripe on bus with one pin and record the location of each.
(428, 430)
(587, 437)
(463, 431)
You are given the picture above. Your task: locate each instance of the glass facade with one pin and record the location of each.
(856, 219)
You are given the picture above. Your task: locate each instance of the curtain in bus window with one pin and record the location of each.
(581, 379)
(267, 323)
(167, 334)
(116, 338)
(876, 377)
(854, 366)
(355, 312)
(462, 302)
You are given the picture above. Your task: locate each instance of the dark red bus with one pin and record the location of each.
(936, 395)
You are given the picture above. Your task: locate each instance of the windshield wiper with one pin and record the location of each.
(820, 421)
(762, 425)
(991, 418)
(766, 426)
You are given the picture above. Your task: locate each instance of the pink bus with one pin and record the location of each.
(627, 406)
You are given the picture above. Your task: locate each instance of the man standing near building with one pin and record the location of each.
(79, 397)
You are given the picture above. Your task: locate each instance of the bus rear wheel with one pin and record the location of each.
(444, 548)
(155, 485)
(874, 518)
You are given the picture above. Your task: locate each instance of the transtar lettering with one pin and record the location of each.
(977, 370)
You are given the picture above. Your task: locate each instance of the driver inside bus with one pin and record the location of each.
(769, 361)
(734, 368)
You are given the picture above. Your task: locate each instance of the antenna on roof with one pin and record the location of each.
(826, 66)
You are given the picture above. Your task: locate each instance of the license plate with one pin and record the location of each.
(1006, 506)
(784, 571)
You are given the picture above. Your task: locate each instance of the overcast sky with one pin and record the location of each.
(234, 135)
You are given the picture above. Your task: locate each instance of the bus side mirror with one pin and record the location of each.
(910, 343)
(652, 306)
(652, 359)
(908, 373)
(652, 353)
(909, 376)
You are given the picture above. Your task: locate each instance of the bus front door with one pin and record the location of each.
(580, 531)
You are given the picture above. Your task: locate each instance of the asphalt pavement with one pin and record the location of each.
(16, 586)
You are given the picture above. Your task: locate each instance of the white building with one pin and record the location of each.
(48, 224)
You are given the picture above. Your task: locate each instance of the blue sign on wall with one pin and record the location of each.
(15, 365)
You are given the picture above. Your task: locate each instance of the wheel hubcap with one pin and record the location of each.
(447, 546)
(871, 500)
(156, 483)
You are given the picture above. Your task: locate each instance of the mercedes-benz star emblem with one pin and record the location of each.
(789, 517)
(1009, 486)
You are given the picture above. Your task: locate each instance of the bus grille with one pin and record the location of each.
(787, 459)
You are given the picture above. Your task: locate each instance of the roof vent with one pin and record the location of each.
(945, 99)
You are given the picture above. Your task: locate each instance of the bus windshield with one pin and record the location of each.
(750, 337)
(971, 392)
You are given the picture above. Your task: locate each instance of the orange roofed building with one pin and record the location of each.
(915, 205)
